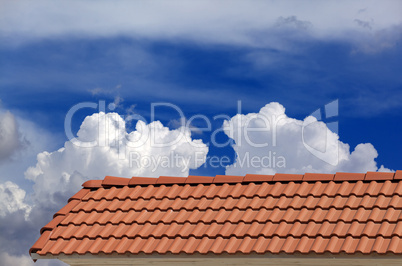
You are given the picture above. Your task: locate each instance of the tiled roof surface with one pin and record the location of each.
(311, 213)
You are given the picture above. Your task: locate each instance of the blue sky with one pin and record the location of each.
(205, 58)
(42, 80)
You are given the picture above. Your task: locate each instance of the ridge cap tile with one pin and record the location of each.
(257, 178)
(192, 179)
(115, 181)
(220, 179)
(398, 175)
(171, 180)
(377, 176)
(93, 184)
(136, 180)
(343, 176)
(318, 177)
(110, 181)
(287, 177)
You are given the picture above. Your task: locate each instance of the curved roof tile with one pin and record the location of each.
(310, 213)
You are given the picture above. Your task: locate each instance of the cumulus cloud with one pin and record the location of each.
(269, 142)
(12, 199)
(20, 232)
(104, 147)
(10, 137)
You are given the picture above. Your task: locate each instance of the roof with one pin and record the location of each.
(344, 213)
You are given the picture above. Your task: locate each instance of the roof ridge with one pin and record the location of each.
(112, 181)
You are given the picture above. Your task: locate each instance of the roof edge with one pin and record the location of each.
(110, 181)
(297, 255)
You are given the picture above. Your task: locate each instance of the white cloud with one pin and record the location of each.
(234, 22)
(24, 260)
(59, 174)
(24, 141)
(12, 199)
(7, 259)
(103, 147)
(269, 141)
(10, 138)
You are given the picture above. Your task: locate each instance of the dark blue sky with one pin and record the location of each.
(42, 80)
(205, 57)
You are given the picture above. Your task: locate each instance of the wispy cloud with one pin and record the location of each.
(364, 24)
(223, 22)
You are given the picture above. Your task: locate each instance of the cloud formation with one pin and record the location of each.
(10, 137)
(12, 199)
(269, 142)
(7, 259)
(224, 22)
(104, 147)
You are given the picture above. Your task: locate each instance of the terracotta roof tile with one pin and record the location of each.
(171, 180)
(93, 184)
(199, 179)
(287, 177)
(318, 177)
(258, 178)
(115, 181)
(204, 245)
(40, 243)
(52, 224)
(379, 176)
(349, 176)
(311, 213)
(80, 194)
(66, 209)
(398, 175)
(142, 180)
(225, 179)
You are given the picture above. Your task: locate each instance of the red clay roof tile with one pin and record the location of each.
(199, 179)
(92, 184)
(225, 179)
(314, 213)
(80, 194)
(379, 176)
(52, 224)
(170, 180)
(142, 181)
(287, 177)
(40, 243)
(398, 175)
(349, 176)
(115, 181)
(318, 177)
(66, 209)
(258, 178)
